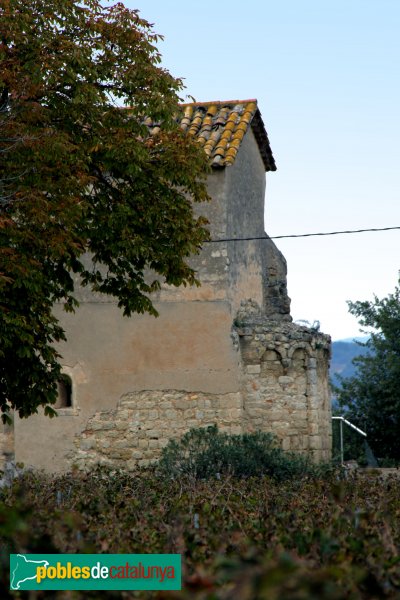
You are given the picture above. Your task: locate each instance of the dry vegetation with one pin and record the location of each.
(240, 538)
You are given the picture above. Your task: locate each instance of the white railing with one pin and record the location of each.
(343, 420)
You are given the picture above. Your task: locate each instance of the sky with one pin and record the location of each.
(326, 75)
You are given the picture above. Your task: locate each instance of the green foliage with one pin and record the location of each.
(206, 452)
(371, 398)
(79, 173)
(247, 538)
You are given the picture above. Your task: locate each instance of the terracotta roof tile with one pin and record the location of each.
(220, 128)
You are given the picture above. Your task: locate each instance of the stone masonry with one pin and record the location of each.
(285, 382)
(143, 422)
(283, 390)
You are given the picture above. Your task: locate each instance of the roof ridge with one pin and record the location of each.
(219, 102)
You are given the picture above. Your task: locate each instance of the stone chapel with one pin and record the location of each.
(225, 353)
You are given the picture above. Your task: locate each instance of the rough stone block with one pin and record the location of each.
(104, 425)
(315, 442)
(123, 415)
(230, 401)
(235, 414)
(88, 443)
(182, 404)
(120, 453)
(171, 414)
(164, 404)
(285, 380)
(189, 413)
(124, 443)
(253, 369)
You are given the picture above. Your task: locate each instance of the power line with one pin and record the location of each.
(300, 235)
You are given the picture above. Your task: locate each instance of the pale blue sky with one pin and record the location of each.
(326, 76)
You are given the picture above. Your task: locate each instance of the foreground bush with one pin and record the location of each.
(206, 452)
(240, 539)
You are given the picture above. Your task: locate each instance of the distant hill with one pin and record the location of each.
(363, 338)
(343, 352)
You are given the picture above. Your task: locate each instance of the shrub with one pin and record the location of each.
(206, 452)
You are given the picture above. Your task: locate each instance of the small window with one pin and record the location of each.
(64, 385)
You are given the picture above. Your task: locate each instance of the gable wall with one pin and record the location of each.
(245, 218)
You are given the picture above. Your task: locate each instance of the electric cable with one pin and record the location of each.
(300, 235)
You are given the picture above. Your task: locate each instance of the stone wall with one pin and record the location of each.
(283, 389)
(285, 382)
(135, 432)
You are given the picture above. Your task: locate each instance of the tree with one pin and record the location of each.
(371, 397)
(80, 173)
